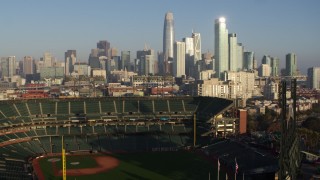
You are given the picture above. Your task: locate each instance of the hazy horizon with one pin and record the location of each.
(272, 27)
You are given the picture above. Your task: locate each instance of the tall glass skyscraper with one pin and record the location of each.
(233, 52)
(168, 41)
(221, 47)
(275, 66)
(291, 64)
(248, 58)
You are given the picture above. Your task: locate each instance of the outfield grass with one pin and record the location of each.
(157, 165)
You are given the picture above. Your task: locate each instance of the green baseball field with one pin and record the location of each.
(151, 165)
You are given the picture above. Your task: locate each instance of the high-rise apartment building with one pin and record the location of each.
(28, 65)
(47, 59)
(221, 47)
(189, 64)
(275, 66)
(291, 64)
(168, 41)
(196, 46)
(189, 45)
(240, 50)
(248, 58)
(8, 66)
(314, 78)
(233, 52)
(179, 59)
(70, 58)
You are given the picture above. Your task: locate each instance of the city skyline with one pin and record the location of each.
(51, 27)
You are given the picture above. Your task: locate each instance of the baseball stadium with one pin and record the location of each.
(109, 137)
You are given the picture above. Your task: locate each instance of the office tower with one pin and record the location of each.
(266, 59)
(274, 66)
(314, 78)
(103, 47)
(197, 46)
(248, 58)
(189, 45)
(125, 60)
(94, 52)
(112, 52)
(8, 66)
(240, 50)
(221, 47)
(291, 64)
(47, 59)
(168, 40)
(233, 52)
(70, 58)
(145, 62)
(264, 70)
(28, 65)
(179, 59)
(189, 62)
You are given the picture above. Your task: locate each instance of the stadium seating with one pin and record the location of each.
(161, 105)
(146, 106)
(102, 124)
(108, 106)
(34, 108)
(176, 105)
(92, 107)
(48, 107)
(76, 107)
(130, 106)
(22, 109)
(63, 107)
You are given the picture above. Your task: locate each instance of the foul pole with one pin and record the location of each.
(194, 129)
(64, 169)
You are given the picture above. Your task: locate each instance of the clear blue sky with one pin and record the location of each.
(270, 27)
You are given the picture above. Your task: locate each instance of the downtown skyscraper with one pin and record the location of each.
(221, 47)
(291, 64)
(168, 41)
(179, 59)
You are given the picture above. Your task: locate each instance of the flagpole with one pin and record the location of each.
(218, 168)
(236, 169)
(209, 175)
(242, 176)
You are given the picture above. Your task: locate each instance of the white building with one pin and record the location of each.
(314, 78)
(205, 75)
(221, 47)
(99, 72)
(179, 59)
(243, 79)
(47, 59)
(196, 46)
(189, 45)
(265, 70)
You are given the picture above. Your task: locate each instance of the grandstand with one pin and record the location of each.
(31, 128)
